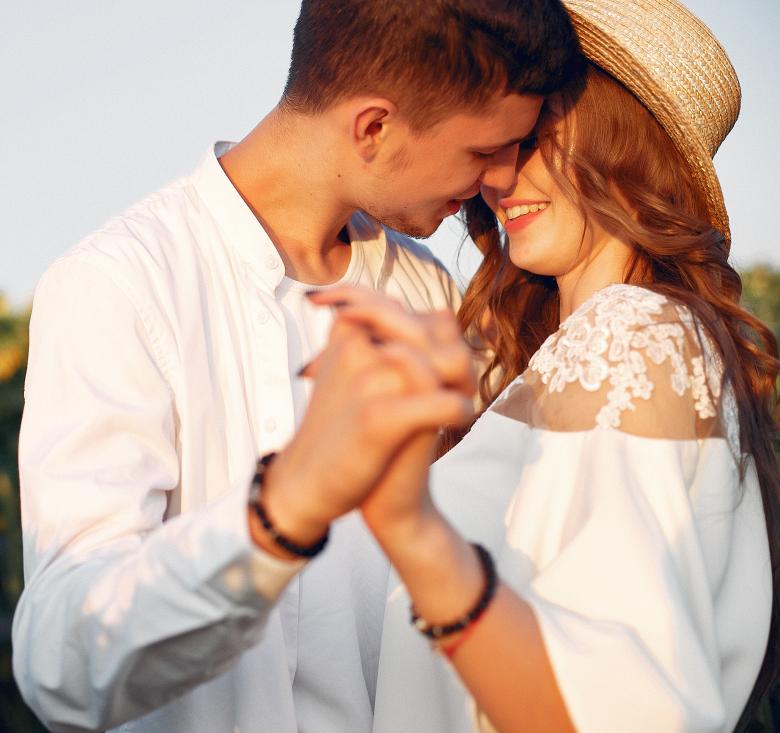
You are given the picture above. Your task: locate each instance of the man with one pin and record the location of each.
(163, 362)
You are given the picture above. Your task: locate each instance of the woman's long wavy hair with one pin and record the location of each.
(608, 142)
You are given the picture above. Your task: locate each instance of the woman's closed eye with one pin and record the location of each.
(485, 154)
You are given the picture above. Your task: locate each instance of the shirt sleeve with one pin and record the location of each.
(122, 610)
(416, 277)
(452, 295)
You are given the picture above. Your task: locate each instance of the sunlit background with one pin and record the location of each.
(105, 101)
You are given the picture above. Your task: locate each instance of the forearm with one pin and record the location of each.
(503, 662)
(104, 636)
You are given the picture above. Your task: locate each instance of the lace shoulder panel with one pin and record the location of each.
(628, 359)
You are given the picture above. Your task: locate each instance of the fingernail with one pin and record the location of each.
(302, 371)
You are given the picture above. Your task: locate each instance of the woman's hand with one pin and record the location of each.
(374, 395)
(399, 501)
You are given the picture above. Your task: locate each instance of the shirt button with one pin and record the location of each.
(271, 262)
(270, 425)
(262, 315)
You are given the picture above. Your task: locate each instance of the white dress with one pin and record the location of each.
(605, 483)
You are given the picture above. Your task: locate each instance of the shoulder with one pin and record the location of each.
(627, 347)
(366, 229)
(618, 310)
(619, 325)
(410, 249)
(411, 271)
(414, 262)
(134, 263)
(140, 250)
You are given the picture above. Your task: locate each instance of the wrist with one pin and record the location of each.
(418, 538)
(418, 524)
(439, 568)
(452, 632)
(291, 499)
(281, 518)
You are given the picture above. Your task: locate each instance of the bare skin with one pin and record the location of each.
(581, 255)
(517, 690)
(303, 176)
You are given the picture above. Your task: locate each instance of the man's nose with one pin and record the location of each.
(501, 172)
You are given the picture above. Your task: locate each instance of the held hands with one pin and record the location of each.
(385, 383)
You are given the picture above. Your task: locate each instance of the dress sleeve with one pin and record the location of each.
(618, 581)
(620, 524)
(121, 611)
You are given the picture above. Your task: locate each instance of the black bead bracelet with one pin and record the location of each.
(286, 543)
(436, 631)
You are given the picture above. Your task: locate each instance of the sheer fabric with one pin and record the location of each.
(628, 359)
(605, 481)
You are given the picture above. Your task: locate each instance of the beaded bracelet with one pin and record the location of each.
(436, 631)
(257, 507)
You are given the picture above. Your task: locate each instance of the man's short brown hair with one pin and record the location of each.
(428, 56)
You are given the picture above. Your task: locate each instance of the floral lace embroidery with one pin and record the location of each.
(601, 342)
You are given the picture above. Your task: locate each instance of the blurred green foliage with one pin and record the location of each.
(761, 295)
(14, 714)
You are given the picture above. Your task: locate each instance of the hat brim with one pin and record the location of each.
(608, 53)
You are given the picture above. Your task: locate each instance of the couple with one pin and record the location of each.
(618, 488)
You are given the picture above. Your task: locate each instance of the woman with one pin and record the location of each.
(622, 480)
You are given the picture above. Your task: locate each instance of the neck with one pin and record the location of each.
(283, 173)
(605, 264)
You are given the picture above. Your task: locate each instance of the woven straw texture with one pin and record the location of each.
(675, 66)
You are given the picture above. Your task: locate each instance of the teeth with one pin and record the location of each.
(515, 211)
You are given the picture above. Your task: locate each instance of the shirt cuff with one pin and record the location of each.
(254, 574)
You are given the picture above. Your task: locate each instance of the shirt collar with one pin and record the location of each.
(243, 231)
(235, 220)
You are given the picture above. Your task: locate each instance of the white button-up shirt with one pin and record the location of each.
(159, 370)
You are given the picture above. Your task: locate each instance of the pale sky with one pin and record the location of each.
(104, 101)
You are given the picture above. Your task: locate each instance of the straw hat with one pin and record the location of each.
(675, 66)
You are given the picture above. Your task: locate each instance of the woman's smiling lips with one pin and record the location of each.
(519, 213)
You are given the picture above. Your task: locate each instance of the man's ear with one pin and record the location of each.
(370, 124)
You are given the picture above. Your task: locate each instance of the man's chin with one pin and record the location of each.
(418, 230)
